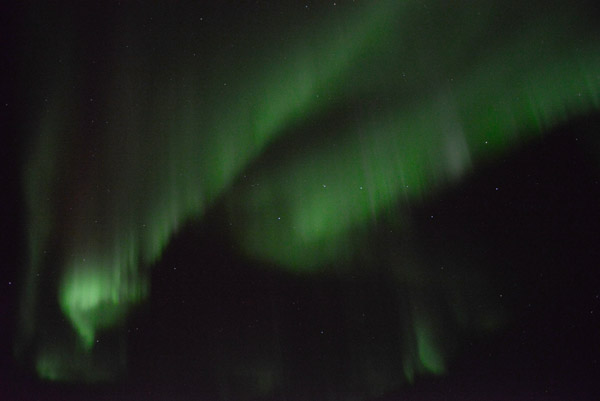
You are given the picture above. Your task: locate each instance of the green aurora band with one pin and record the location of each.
(425, 93)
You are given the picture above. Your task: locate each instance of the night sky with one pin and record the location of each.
(260, 200)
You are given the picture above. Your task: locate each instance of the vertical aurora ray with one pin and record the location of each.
(145, 162)
(380, 98)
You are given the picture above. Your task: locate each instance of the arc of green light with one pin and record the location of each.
(183, 163)
(197, 156)
(405, 153)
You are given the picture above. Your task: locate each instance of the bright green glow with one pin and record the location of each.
(424, 105)
(95, 297)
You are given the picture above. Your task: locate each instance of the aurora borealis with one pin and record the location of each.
(304, 143)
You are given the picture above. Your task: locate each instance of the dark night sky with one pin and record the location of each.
(526, 221)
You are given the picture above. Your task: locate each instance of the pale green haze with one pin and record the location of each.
(308, 129)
